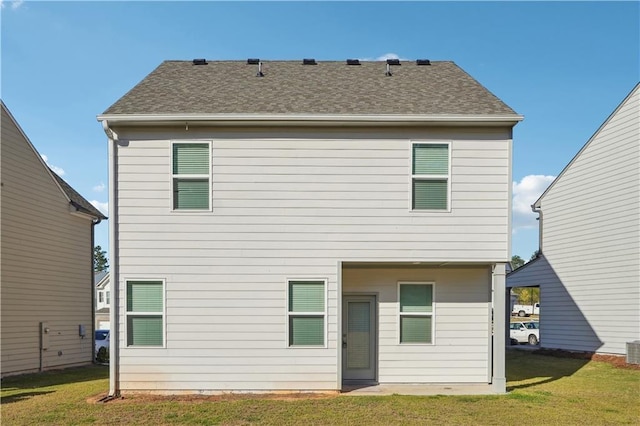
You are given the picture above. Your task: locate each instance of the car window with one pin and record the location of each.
(101, 334)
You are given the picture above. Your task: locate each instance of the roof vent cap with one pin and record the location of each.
(253, 61)
(199, 62)
(388, 73)
(309, 61)
(423, 62)
(353, 62)
(393, 61)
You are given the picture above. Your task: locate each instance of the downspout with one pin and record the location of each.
(536, 209)
(114, 382)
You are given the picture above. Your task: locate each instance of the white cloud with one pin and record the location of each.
(525, 193)
(58, 170)
(385, 57)
(388, 56)
(13, 4)
(103, 207)
(99, 188)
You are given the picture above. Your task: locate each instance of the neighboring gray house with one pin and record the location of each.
(305, 225)
(589, 270)
(46, 234)
(102, 300)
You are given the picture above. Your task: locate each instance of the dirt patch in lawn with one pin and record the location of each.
(617, 361)
(195, 398)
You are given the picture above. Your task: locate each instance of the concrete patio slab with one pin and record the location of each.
(417, 389)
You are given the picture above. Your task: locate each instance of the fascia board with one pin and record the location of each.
(307, 119)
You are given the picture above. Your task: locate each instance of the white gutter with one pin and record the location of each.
(261, 119)
(114, 342)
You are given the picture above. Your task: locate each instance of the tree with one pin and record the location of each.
(516, 262)
(535, 254)
(100, 262)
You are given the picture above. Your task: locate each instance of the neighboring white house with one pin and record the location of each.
(589, 270)
(304, 225)
(46, 275)
(103, 300)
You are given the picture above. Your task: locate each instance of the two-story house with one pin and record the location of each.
(303, 225)
(46, 245)
(102, 300)
(589, 268)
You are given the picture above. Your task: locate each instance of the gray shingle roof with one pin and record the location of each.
(288, 87)
(78, 200)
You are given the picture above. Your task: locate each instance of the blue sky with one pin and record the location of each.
(565, 66)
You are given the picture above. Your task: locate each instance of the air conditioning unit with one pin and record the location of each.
(633, 352)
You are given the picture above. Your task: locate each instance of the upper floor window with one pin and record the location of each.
(100, 296)
(430, 176)
(191, 175)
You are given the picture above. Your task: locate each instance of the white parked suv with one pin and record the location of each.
(525, 332)
(102, 345)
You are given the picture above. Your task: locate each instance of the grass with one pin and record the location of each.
(544, 390)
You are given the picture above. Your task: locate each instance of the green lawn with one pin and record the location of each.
(544, 390)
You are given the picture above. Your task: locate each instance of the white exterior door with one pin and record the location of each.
(359, 338)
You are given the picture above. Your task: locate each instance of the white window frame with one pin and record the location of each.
(431, 314)
(301, 314)
(208, 176)
(107, 299)
(164, 313)
(429, 177)
(100, 297)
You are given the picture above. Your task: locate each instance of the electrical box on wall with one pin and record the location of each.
(44, 336)
(81, 331)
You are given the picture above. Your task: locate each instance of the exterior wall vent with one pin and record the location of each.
(309, 62)
(253, 61)
(199, 62)
(423, 62)
(633, 352)
(393, 61)
(353, 62)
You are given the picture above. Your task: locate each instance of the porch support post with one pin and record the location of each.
(499, 380)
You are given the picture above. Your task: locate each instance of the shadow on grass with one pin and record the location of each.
(21, 396)
(538, 368)
(36, 381)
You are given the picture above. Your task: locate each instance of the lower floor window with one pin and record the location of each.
(306, 313)
(145, 313)
(416, 312)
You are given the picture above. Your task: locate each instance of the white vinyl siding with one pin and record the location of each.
(145, 313)
(461, 334)
(430, 176)
(191, 175)
(290, 204)
(591, 239)
(307, 313)
(415, 312)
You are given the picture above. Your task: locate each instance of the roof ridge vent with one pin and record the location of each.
(309, 61)
(393, 61)
(353, 62)
(423, 62)
(253, 61)
(200, 61)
